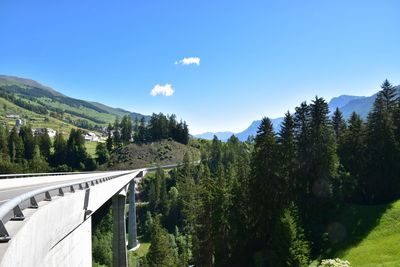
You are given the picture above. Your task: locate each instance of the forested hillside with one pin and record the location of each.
(23, 151)
(282, 199)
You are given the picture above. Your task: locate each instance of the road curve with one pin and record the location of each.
(13, 187)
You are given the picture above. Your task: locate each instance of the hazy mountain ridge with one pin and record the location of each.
(346, 103)
(210, 135)
(342, 100)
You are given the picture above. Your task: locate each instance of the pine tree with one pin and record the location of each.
(352, 153)
(44, 143)
(38, 163)
(158, 196)
(158, 127)
(288, 155)
(185, 134)
(126, 130)
(172, 127)
(388, 95)
(109, 140)
(117, 134)
(302, 119)
(215, 155)
(161, 252)
(136, 125)
(3, 142)
(240, 238)
(154, 195)
(220, 217)
(187, 200)
(266, 189)
(382, 170)
(76, 154)
(396, 120)
(15, 146)
(183, 246)
(60, 150)
(142, 131)
(339, 125)
(318, 166)
(203, 246)
(290, 247)
(147, 226)
(25, 132)
(102, 154)
(323, 154)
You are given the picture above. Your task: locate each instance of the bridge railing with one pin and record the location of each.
(27, 175)
(13, 208)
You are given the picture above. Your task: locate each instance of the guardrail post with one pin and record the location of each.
(132, 226)
(18, 215)
(60, 192)
(34, 204)
(4, 236)
(120, 258)
(47, 196)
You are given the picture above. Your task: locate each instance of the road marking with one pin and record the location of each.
(1, 201)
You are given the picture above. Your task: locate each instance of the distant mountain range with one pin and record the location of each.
(346, 103)
(43, 106)
(210, 135)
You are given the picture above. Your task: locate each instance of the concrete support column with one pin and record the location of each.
(120, 258)
(132, 226)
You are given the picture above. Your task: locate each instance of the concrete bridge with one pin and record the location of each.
(45, 219)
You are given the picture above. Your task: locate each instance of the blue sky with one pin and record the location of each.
(257, 58)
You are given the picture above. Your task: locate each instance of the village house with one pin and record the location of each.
(91, 137)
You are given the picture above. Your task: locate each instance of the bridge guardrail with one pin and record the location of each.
(13, 206)
(26, 175)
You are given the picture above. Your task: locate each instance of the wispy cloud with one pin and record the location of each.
(188, 61)
(165, 90)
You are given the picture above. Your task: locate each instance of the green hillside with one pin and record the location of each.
(371, 235)
(36, 120)
(42, 106)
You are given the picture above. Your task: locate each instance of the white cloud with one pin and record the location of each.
(189, 61)
(165, 90)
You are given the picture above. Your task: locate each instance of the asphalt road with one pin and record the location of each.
(9, 188)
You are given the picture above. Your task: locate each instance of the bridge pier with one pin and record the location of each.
(132, 226)
(120, 257)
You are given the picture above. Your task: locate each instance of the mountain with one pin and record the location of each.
(340, 101)
(252, 129)
(361, 105)
(43, 106)
(10, 81)
(209, 135)
(346, 103)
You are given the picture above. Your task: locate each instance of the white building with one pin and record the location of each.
(91, 137)
(51, 132)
